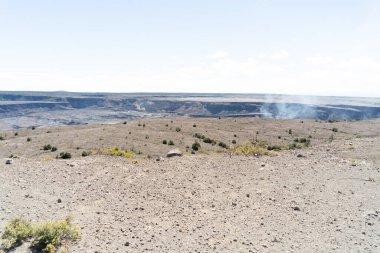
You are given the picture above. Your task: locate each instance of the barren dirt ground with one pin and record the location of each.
(327, 200)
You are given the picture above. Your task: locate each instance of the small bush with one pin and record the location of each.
(335, 129)
(2, 138)
(209, 141)
(15, 232)
(164, 142)
(147, 137)
(125, 122)
(29, 139)
(274, 147)
(50, 235)
(233, 141)
(235, 135)
(296, 140)
(47, 147)
(178, 129)
(249, 149)
(119, 152)
(196, 146)
(53, 149)
(64, 155)
(290, 131)
(199, 136)
(33, 128)
(86, 153)
(171, 143)
(194, 125)
(223, 145)
(16, 133)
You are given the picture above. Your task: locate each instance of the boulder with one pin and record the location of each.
(174, 152)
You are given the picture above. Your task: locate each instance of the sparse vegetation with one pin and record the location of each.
(118, 152)
(53, 149)
(47, 147)
(164, 142)
(248, 148)
(46, 236)
(233, 141)
(2, 138)
(64, 155)
(199, 136)
(334, 129)
(171, 143)
(223, 145)
(196, 146)
(16, 134)
(209, 141)
(86, 153)
(290, 131)
(29, 139)
(15, 232)
(178, 129)
(194, 125)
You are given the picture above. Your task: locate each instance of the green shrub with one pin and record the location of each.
(2, 138)
(290, 131)
(64, 155)
(29, 139)
(119, 152)
(86, 153)
(274, 147)
(335, 129)
(178, 129)
(125, 122)
(296, 140)
(223, 145)
(250, 149)
(33, 128)
(233, 141)
(196, 146)
(50, 235)
(53, 149)
(194, 125)
(199, 136)
(47, 147)
(165, 142)
(15, 232)
(209, 141)
(171, 143)
(16, 133)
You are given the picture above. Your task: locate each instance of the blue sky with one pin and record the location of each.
(318, 47)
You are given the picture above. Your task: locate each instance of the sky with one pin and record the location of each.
(310, 47)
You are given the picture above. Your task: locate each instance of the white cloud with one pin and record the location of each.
(219, 55)
(280, 55)
(319, 60)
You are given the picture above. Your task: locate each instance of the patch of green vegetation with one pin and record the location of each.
(223, 145)
(178, 129)
(86, 153)
(196, 146)
(16, 134)
(248, 148)
(64, 155)
(48, 236)
(334, 129)
(209, 141)
(119, 152)
(29, 139)
(233, 141)
(53, 149)
(194, 125)
(199, 136)
(164, 142)
(171, 143)
(47, 147)
(16, 232)
(2, 138)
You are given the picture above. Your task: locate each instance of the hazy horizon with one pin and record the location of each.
(294, 47)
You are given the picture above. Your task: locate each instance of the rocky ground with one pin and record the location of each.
(322, 198)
